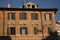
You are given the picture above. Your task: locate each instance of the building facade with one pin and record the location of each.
(58, 27)
(30, 23)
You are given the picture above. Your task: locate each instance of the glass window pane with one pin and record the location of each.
(23, 16)
(47, 16)
(11, 16)
(34, 16)
(33, 6)
(23, 30)
(49, 30)
(35, 30)
(11, 31)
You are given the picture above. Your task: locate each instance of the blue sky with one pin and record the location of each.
(41, 4)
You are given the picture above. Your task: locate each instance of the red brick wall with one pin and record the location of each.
(30, 24)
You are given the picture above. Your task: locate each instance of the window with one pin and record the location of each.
(23, 16)
(11, 31)
(23, 31)
(11, 16)
(49, 30)
(47, 16)
(28, 5)
(36, 30)
(34, 16)
(33, 6)
(37, 5)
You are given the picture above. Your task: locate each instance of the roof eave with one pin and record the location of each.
(31, 9)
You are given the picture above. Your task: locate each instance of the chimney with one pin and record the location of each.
(8, 4)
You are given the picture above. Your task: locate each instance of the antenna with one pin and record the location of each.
(9, 4)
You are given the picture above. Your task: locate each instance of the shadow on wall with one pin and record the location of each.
(53, 36)
(5, 38)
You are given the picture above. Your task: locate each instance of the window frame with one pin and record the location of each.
(23, 16)
(10, 31)
(26, 30)
(49, 30)
(34, 16)
(48, 16)
(36, 30)
(33, 6)
(11, 16)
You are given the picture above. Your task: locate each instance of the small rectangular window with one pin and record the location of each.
(28, 5)
(34, 16)
(11, 16)
(23, 31)
(11, 31)
(49, 30)
(33, 6)
(36, 30)
(48, 16)
(23, 16)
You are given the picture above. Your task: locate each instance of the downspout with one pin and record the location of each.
(42, 26)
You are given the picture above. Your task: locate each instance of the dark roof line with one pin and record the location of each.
(30, 9)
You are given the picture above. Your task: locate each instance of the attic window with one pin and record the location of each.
(33, 6)
(28, 5)
(37, 5)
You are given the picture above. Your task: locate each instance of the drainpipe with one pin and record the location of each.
(42, 27)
